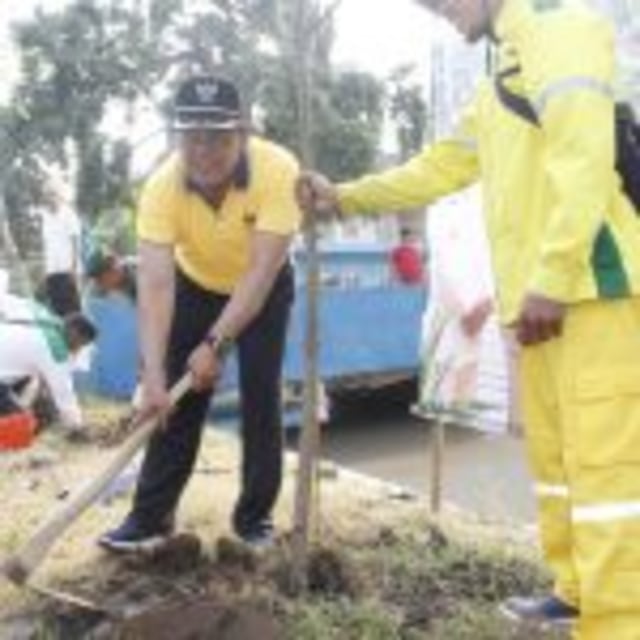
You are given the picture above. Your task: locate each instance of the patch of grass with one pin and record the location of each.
(343, 620)
(482, 622)
(422, 583)
(10, 541)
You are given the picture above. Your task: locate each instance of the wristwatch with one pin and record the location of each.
(220, 345)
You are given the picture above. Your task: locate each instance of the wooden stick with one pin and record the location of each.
(437, 464)
(310, 439)
(72, 600)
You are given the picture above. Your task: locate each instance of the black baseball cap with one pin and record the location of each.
(207, 102)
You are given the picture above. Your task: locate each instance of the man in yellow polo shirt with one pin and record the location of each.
(215, 222)
(565, 242)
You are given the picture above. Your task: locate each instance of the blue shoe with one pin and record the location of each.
(549, 612)
(131, 537)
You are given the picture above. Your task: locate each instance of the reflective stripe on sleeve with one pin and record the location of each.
(608, 512)
(551, 490)
(567, 85)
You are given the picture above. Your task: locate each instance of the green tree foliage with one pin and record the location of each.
(257, 43)
(75, 65)
(82, 62)
(408, 111)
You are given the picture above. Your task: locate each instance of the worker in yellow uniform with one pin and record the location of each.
(215, 222)
(565, 241)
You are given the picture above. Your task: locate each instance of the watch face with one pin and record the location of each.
(222, 346)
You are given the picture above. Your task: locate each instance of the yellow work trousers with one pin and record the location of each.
(581, 406)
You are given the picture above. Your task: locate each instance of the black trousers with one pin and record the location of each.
(171, 454)
(61, 293)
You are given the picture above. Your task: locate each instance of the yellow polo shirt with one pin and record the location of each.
(212, 245)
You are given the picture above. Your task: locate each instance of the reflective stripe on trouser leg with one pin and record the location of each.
(602, 359)
(543, 429)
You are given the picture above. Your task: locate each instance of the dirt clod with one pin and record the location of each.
(236, 555)
(14, 571)
(331, 573)
(180, 554)
(387, 537)
(436, 538)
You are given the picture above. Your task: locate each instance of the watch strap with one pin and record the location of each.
(220, 345)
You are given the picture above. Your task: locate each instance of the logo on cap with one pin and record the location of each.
(206, 91)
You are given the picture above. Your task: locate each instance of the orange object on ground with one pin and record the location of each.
(17, 430)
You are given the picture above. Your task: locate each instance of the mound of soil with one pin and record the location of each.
(331, 573)
(201, 619)
(180, 554)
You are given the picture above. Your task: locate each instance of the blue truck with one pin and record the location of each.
(369, 327)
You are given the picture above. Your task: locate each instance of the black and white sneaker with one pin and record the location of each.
(259, 537)
(546, 612)
(132, 538)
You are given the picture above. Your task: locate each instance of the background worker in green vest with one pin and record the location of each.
(565, 240)
(35, 344)
(215, 222)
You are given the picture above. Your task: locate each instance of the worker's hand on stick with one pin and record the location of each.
(318, 197)
(541, 319)
(154, 397)
(205, 367)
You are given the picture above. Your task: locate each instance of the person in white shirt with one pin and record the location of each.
(61, 249)
(36, 344)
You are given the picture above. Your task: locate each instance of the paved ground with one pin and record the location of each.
(484, 474)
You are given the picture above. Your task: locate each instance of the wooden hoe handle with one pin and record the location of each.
(21, 565)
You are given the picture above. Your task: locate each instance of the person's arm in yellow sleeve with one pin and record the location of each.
(568, 65)
(440, 169)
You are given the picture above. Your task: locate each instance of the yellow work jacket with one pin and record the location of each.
(557, 219)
